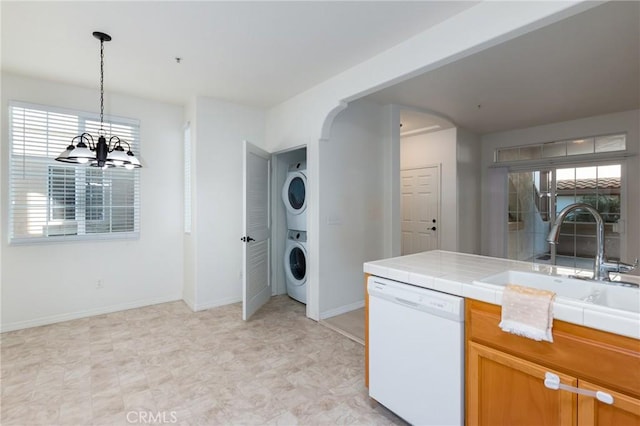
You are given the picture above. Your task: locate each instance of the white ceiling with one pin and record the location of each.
(255, 53)
(583, 66)
(262, 53)
(414, 122)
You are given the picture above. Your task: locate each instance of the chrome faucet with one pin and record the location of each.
(601, 267)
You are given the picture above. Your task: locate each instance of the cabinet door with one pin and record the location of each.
(506, 390)
(625, 410)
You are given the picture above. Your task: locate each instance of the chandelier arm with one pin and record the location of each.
(116, 141)
(125, 142)
(88, 138)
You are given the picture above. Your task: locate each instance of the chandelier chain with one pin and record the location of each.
(101, 86)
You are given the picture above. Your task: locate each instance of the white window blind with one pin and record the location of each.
(52, 201)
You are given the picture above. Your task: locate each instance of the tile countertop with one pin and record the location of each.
(455, 273)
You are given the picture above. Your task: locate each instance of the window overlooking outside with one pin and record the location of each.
(535, 199)
(63, 202)
(559, 149)
(600, 187)
(96, 189)
(51, 200)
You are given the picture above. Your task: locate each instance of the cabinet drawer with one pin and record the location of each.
(602, 358)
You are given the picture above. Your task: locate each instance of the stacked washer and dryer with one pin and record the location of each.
(294, 196)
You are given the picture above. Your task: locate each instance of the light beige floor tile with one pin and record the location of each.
(204, 368)
(103, 406)
(283, 419)
(76, 412)
(116, 418)
(22, 391)
(42, 413)
(14, 412)
(351, 324)
(133, 382)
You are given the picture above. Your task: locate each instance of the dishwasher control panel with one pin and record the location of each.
(419, 298)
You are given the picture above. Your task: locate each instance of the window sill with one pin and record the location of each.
(90, 238)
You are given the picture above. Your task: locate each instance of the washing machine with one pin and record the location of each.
(294, 196)
(295, 265)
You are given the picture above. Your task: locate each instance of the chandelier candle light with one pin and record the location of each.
(102, 154)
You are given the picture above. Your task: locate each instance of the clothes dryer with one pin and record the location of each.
(294, 196)
(295, 265)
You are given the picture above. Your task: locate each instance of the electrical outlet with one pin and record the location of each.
(99, 284)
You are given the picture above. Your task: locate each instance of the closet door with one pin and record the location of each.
(256, 253)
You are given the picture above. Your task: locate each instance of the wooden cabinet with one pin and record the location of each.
(508, 390)
(505, 374)
(624, 411)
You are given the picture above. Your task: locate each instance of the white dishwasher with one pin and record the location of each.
(416, 352)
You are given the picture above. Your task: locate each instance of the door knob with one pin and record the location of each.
(434, 221)
(246, 239)
(433, 228)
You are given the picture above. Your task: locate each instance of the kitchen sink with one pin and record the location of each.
(614, 295)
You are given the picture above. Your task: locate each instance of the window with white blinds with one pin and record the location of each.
(52, 201)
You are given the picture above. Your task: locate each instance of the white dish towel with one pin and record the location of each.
(527, 312)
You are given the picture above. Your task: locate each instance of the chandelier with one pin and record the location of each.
(83, 148)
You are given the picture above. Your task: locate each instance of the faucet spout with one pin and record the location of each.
(554, 235)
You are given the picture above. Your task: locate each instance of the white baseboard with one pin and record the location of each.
(190, 303)
(18, 325)
(341, 310)
(214, 303)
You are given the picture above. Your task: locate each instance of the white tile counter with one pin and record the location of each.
(455, 273)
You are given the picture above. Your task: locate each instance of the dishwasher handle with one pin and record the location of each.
(406, 302)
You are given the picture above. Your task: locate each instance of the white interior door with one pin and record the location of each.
(256, 254)
(420, 209)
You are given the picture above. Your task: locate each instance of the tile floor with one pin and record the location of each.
(167, 364)
(350, 324)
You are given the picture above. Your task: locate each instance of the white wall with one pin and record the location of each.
(35, 290)
(627, 121)
(220, 130)
(352, 202)
(306, 119)
(391, 168)
(190, 239)
(430, 149)
(468, 148)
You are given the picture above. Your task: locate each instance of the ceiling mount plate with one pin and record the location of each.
(101, 36)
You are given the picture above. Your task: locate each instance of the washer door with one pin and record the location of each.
(294, 193)
(295, 264)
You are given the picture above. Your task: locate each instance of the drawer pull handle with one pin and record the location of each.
(552, 381)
